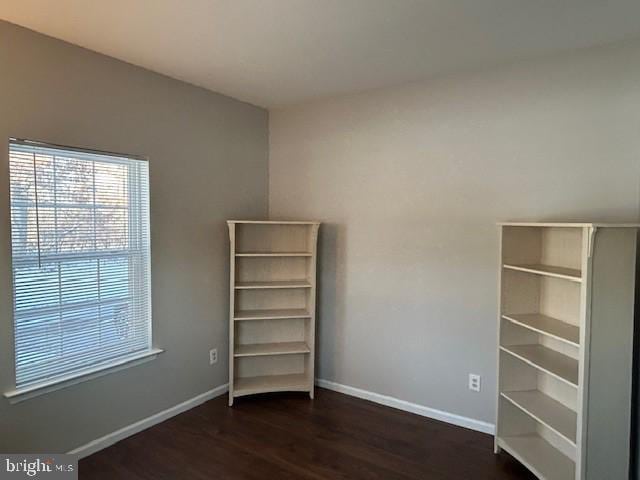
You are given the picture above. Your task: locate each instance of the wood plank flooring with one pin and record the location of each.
(287, 436)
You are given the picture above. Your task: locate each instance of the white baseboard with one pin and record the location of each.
(113, 437)
(459, 420)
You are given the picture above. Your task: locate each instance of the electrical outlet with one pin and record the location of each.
(474, 382)
(213, 356)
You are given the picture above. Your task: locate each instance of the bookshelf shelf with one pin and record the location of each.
(274, 254)
(271, 383)
(571, 274)
(547, 360)
(274, 284)
(547, 411)
(271, 314)
(548, 326)
(276, 348)
(539, 456)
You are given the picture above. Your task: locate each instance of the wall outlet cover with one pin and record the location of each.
(213, 356)
(474, 382)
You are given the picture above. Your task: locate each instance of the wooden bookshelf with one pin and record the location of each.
(272, 306)
(565, 330)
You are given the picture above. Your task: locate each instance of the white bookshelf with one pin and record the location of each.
(272, 306)
(565, 348)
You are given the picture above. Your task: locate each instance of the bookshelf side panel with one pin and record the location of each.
(608, 410)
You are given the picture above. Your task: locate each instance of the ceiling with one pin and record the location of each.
(274, 53)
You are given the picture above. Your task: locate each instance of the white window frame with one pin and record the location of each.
(115, 364)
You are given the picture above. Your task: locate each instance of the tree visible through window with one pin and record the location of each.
(80, 252)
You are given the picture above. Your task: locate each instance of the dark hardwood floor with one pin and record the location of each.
(287, 436)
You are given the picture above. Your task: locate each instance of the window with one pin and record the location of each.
(81, 260)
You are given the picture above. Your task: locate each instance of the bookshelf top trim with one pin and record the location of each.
(568, 225)
(275, 222)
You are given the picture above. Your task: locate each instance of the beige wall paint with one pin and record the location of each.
(411, 181)
(208, 162)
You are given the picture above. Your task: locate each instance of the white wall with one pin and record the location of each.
(411, 182)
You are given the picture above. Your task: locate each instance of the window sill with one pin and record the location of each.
(35, 390)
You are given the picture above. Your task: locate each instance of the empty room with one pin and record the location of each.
(320, 239)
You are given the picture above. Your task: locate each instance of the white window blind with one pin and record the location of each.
(81, 259)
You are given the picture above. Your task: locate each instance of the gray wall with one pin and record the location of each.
(208, 162)
(411, 182)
